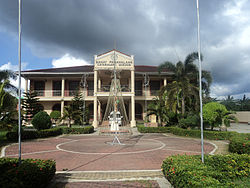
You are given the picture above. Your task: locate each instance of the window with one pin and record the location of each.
(73, 87)
(90, 88)
(138, 88)
(155, 87)
(39, 87)
(57, 86)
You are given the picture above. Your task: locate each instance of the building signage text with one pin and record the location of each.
(111, 63)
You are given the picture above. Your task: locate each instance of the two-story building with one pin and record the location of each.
(139, 85)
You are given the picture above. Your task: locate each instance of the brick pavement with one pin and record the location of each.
(81, 153)
(140, 154)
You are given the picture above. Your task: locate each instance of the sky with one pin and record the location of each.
(62, 33)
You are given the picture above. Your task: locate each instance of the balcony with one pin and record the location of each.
(58, 93)
(146, 93)
(106, 88)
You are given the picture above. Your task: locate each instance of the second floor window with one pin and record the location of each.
(155, 86)
(138, 88)
(57, 87)
(73, 87)
(90, 88)
(39, 87)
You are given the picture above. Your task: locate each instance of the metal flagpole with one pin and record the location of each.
(199, 55)
(115, 105)
(19, 79)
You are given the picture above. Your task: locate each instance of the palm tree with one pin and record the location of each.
(6, 75)
(184, 88)
(158, 108)
(190, 70)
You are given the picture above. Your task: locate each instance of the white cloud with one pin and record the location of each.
(68, 61)
(9, 66)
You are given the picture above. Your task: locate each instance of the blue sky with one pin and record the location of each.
(63, 33)
(9, 53)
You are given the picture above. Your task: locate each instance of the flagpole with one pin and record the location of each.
(19, 80)
(200, 85)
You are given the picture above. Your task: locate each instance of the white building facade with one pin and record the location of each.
(139, 84)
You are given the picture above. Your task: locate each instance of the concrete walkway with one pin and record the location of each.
(112, 177)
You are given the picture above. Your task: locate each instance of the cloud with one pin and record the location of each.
(68, 61)
(154, 31)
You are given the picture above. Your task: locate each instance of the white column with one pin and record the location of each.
(62, 107)
(63, 87)
(99, 110)
(95, 122)
(62, 95)
(26, 85)
(133, 122)
(99, 84)
(165, 81)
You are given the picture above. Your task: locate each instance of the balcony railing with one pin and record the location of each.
(146, 93)
(69, 93)
(58, 93)
(106, 88)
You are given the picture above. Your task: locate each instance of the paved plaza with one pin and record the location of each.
(92, 160)
(95, 153)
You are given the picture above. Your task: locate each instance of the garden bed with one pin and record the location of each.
(31, 173)
(218, 170)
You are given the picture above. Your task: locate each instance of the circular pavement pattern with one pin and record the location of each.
(95, 153)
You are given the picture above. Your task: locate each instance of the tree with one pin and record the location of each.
(6, 75)
(216, 115)
(190, 70)
(183, 91)
(158, 108)
(31, 105)
(41, 121)
(55, 116)
(75, 111)
(7, 108)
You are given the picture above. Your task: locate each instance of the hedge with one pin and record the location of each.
(212, 135)
(80, 130)
(240, 144)
(13, 136)
(143, 129)
(31, 173)
(33, 134)
(217, 171)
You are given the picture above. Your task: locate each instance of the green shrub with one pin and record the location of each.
(49, 132)
(31, 173)
(212, 135)
(143, 129)
(240, 144)
(41, 121)
(82, 130)
(13, 136)
(217, 171)
(55, 115)
(191, 120)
